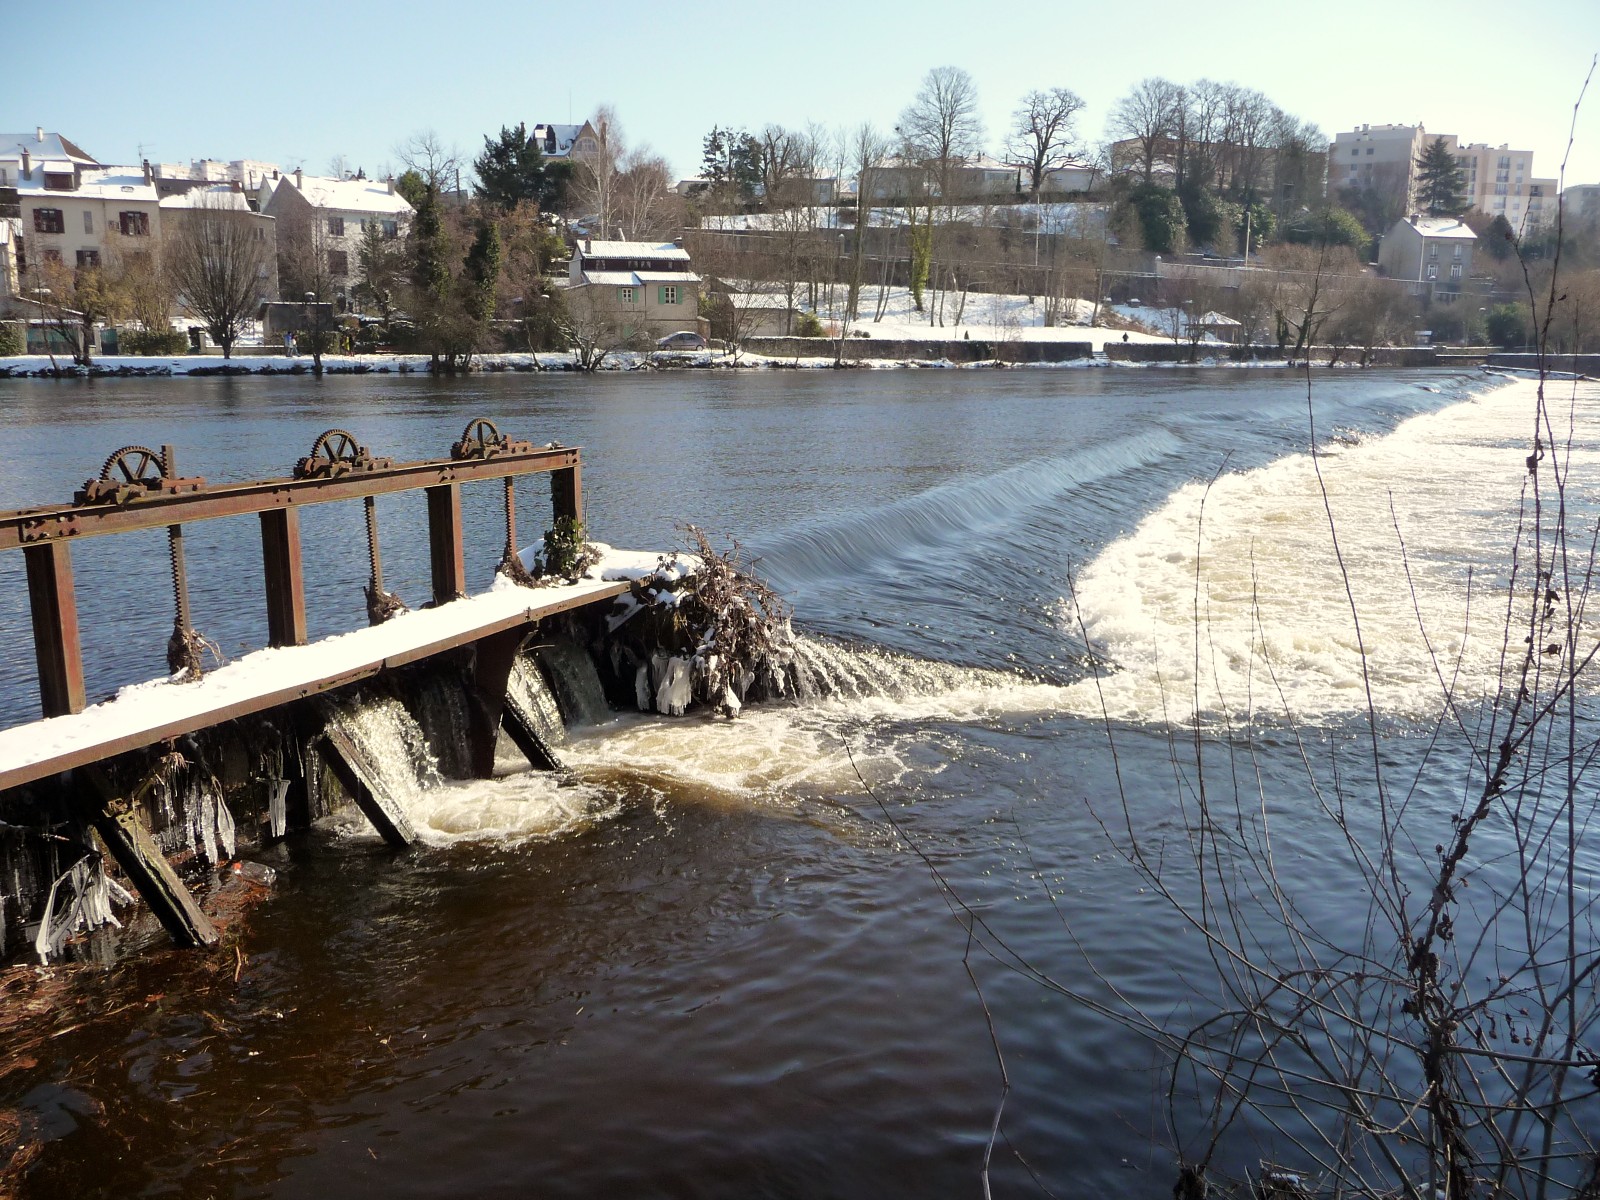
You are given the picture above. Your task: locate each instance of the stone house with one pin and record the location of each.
(1435, 250)
(642, 289)
(324, 219)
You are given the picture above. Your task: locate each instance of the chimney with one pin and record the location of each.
(390, 182)
(148, 175)
(39, 132)
(678, 242)
(27, 167)
(300, 178)
(588, 245)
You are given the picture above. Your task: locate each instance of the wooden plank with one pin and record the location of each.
(15, 776)
(55, 628)
(26, 526)
(361, 781)
(141, 860)
(521, 729)
(444, 543)
(285, 577)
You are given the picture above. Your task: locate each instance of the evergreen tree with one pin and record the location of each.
(730, 162)
(1441, 187)
(482, 274)
(512, 169)
(412, 186)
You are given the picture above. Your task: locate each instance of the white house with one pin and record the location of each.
(334, 212)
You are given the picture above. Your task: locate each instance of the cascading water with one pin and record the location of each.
(510, 810)
(530, 693)
(574, 681)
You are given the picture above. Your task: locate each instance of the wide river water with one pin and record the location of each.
(720, 965)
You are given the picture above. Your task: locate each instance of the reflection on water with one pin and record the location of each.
(705, 963)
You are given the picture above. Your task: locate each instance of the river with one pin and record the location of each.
(722, 965)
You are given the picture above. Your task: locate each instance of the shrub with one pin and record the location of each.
(807, 325)
(11, 340)
(158, 342)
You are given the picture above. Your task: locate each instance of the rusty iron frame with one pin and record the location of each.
(45, 534)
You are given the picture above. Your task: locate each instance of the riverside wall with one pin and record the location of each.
(899, 350)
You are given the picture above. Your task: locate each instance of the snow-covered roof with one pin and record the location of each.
(1216, 319)
(224, 196)
(662, 250)
(1441, 227)
(565, 136)
(104, 183)
(638, 278)
(348, 195)
(42, 144)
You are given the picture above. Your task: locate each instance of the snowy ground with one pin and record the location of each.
(995, 317)
(1076, 220)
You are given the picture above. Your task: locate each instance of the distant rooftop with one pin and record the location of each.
(349, 195)
(41, 143)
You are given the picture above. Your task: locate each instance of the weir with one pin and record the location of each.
(161, 772)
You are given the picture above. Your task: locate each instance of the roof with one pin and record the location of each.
(1439, 227)
(50, 145)
(565, 136)
(97, 183)
(348, 195)
(223, 196)
(1215, 318)
(638, 278)
(664, 250)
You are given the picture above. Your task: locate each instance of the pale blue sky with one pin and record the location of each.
(297, 82)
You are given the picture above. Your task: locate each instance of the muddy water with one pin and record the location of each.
(721, 963)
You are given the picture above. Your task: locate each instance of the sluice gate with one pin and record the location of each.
(117, 767)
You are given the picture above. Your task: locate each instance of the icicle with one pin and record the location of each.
(225, 829)
(205, 815)
(641, 688)
(92, 896)
(674, 694)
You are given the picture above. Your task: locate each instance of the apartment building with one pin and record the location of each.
(1500, 181)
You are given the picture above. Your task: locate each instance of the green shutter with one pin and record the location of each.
(661, 295)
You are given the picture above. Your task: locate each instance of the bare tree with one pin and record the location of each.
(595, 182)
(438, 165)
(643, 200)
(218, 262)
(1147, 116)
(1042, 132)
(940, 128)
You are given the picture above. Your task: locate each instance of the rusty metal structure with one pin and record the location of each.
(139, 488)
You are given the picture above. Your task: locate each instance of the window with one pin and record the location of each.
(88, 258)
(391, 229)
(669, 294)
(134, 224)
(48, 220)
(57, 183)
(1457, 254)
(625, 295)
(88, 221)
(1354, 150)
(338, 262)
(52, 255)
(1433, 249)
(1369, 149)
(1455, 270)
(336, 226)
(1433, 270)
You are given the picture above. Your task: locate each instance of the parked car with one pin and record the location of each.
(684, 339)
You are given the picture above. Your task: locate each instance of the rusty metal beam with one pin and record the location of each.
(285, 577)
(27, 526)
(566, 492)
(492, 659)
(16, 776)
(55, 628)
(445, 550)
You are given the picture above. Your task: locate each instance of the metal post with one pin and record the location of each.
(566, 492)
(55, 627)
(444, 543)
(285, 578)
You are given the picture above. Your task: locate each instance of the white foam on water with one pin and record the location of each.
(1272, 608)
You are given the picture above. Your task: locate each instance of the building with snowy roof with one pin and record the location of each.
(1428, 249)
(76, 214)
(566, 141)
(644, 289)
(326, 218)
